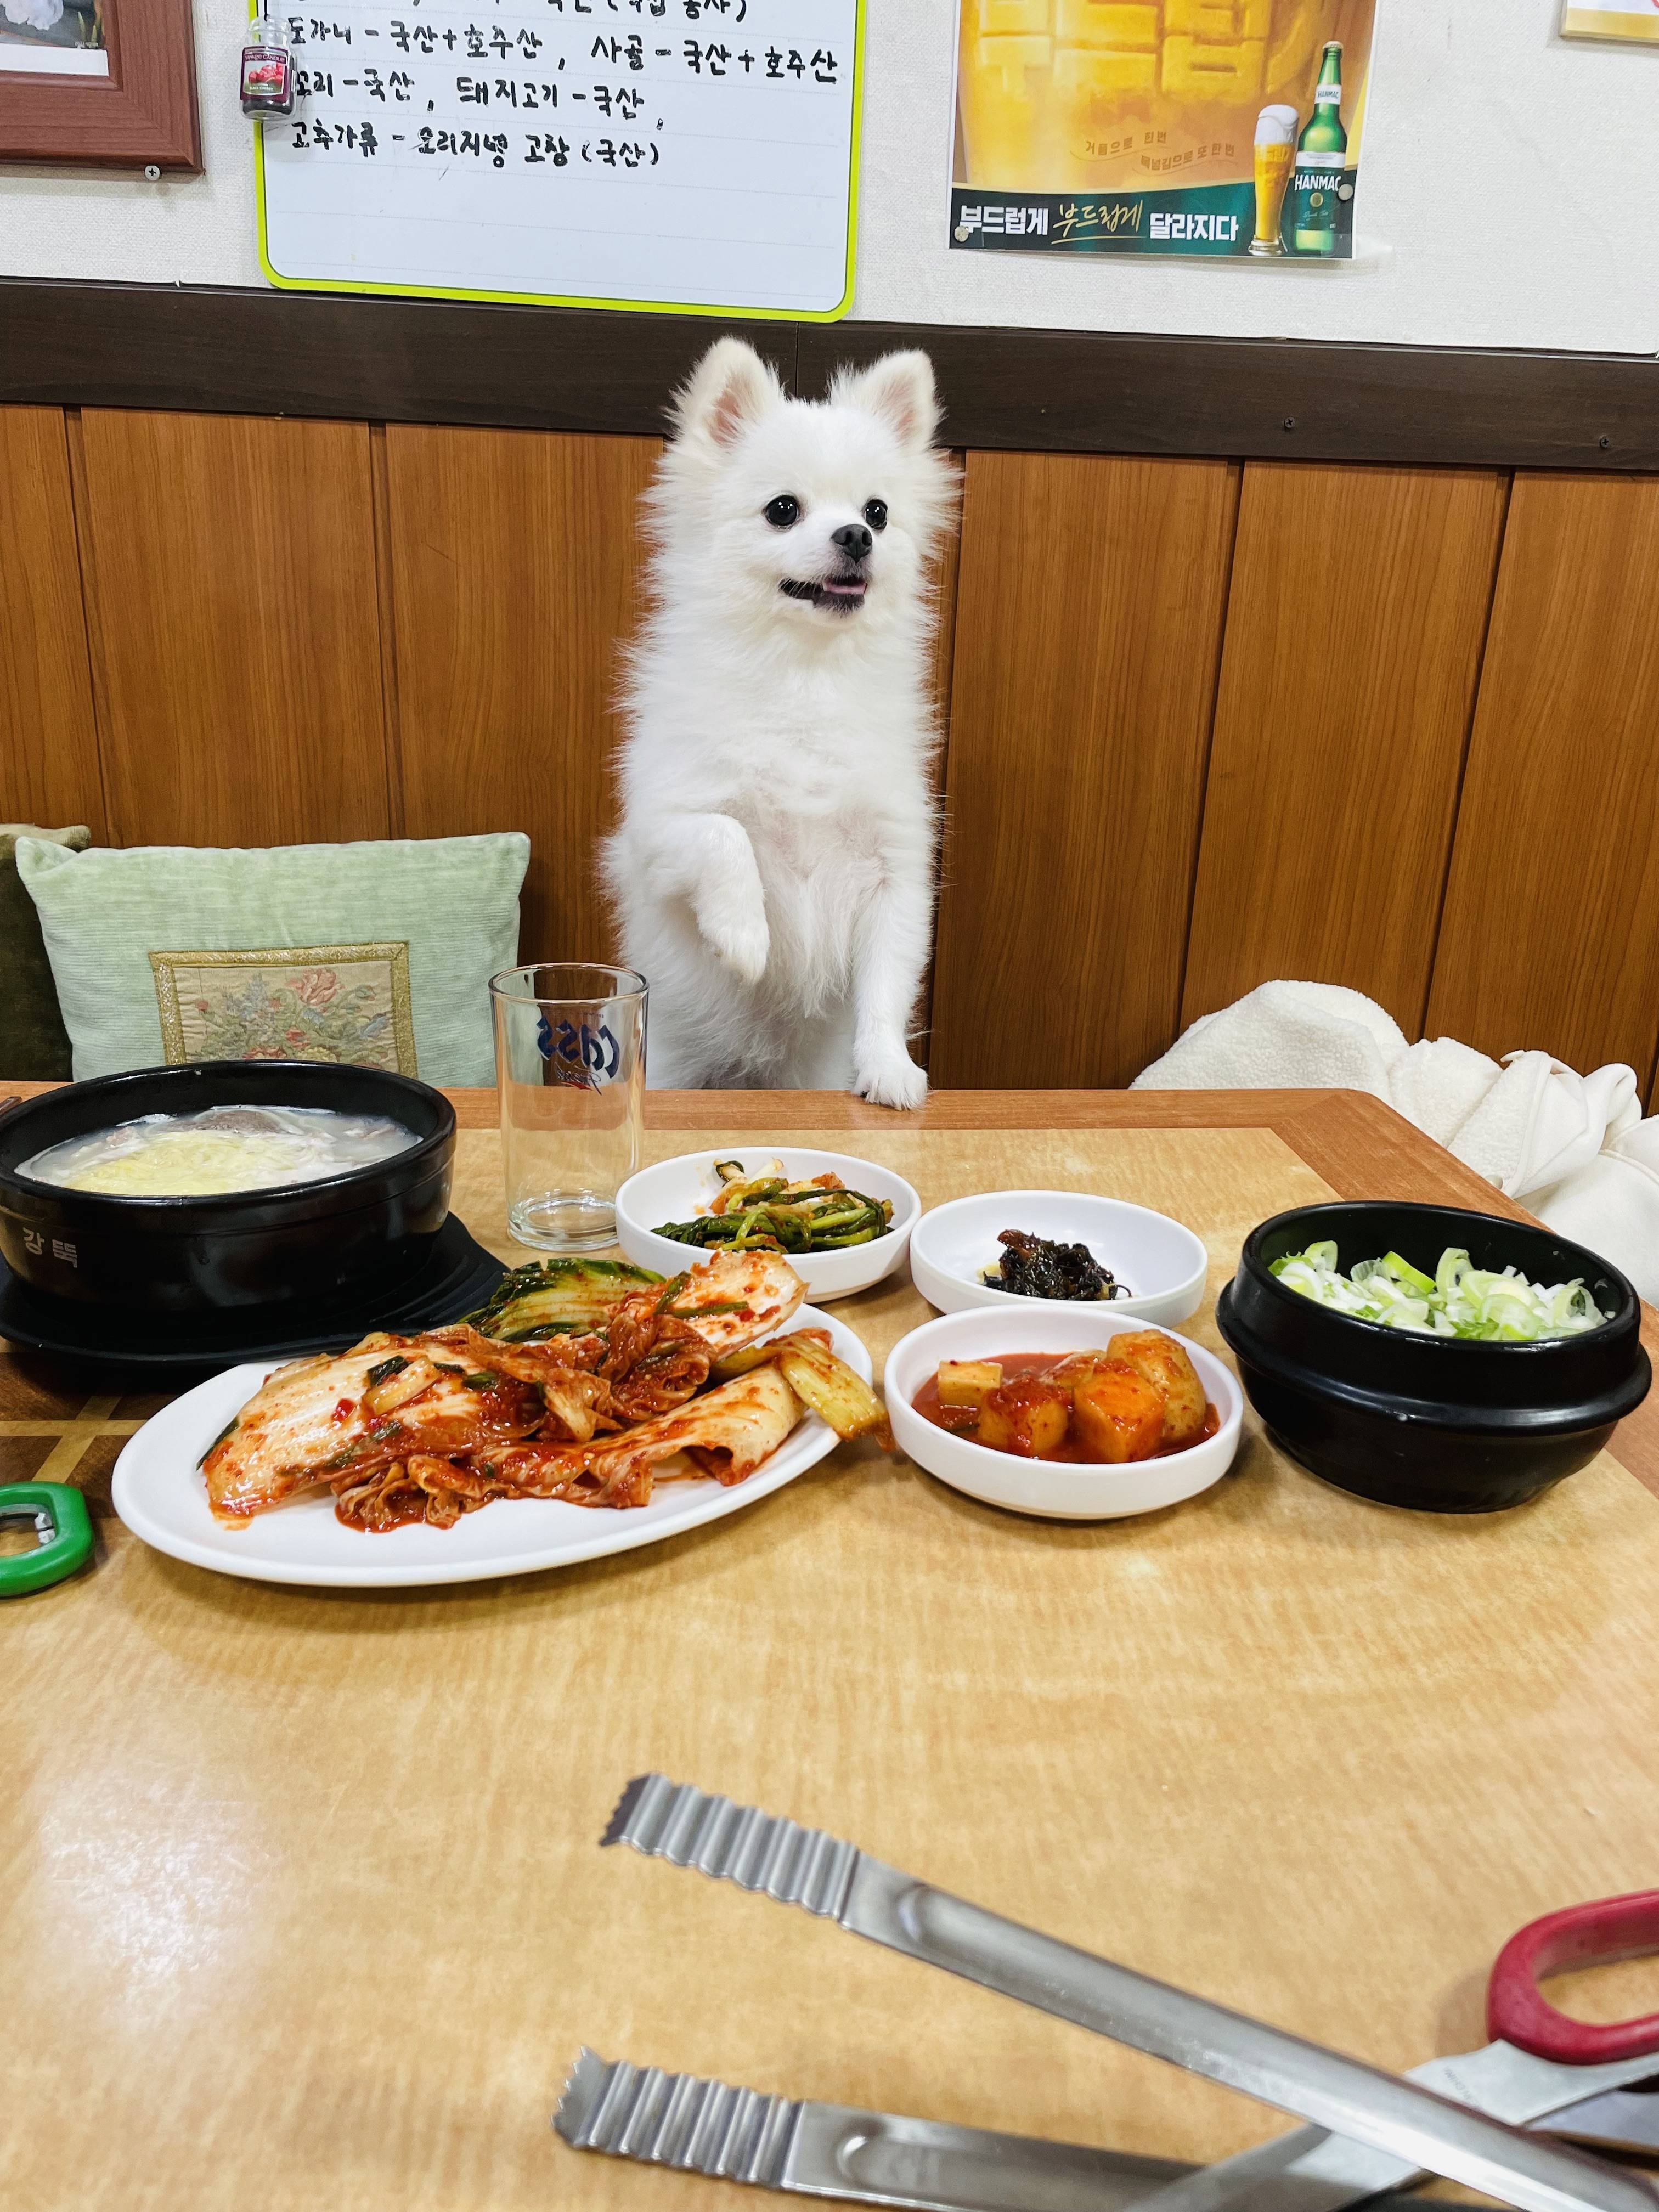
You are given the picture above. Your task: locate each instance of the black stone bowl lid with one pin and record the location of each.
(1558, 1384)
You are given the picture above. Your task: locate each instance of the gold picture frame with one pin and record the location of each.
(341, 1004)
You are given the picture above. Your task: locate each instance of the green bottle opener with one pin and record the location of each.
(65, 1527)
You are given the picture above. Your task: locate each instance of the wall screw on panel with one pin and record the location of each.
(153, 171)
(1289, 421)
(1604, 443)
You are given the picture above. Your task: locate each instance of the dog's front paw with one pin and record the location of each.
(893, 1081)
(740, 943)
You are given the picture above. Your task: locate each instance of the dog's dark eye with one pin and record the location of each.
(875, 514)
(783, 513)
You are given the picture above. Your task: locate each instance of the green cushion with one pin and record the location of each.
(35, 1046)
(375, 954)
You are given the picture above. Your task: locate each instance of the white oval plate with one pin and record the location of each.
(1164, 1263)
(161, 1495)
(678, 1190)
(1056, 1489)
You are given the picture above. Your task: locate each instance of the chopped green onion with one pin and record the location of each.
(1459, 1300)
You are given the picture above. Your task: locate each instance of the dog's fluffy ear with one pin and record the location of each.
(730, 388)
(899, 389)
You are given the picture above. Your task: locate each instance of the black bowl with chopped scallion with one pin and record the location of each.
(1458, 1423)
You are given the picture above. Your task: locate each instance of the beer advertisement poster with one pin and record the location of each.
(1619, 20)
(1219, 129)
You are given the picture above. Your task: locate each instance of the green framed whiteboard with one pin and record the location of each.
(665, 156)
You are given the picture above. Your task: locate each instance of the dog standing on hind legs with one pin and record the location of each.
(773, 871)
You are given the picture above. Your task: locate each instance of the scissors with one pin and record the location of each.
(1540, 2065)
(1624, 2118)
(62, 1529)
(1541, 2068)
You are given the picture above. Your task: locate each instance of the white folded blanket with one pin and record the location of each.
(1573, 1149)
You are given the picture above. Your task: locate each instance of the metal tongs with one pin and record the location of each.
(1372, 2131)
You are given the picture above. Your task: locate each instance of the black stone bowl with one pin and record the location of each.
(1436, 1423)
(270, 1249)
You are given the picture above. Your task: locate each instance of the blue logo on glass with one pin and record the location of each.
(582, 1054)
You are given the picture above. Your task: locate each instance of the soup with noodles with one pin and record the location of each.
(222, 1149)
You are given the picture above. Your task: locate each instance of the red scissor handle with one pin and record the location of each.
(1583, 1935)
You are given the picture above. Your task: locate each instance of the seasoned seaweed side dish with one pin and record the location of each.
(1036, 1267)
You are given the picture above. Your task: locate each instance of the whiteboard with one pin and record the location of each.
(684, 155)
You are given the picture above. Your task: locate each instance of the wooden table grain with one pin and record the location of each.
(301, 1902)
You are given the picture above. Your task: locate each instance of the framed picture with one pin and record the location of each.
(1627, 22)
(109, 81)
(1209, 130)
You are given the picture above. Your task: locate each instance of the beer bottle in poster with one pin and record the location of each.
(1321, 161)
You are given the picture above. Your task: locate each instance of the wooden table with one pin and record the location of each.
(301, 1904)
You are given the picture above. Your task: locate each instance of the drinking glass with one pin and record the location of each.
(570, 1067)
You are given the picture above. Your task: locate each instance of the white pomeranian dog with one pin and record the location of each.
(773, 871)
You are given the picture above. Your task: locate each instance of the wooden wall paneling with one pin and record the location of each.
(49, 771)
(943, 654)
(230, 569)
(1089, 612)
(1551, 933)
(946, 569)
(223, 348)
(381, 484)
(515, 560)
(1356, 621)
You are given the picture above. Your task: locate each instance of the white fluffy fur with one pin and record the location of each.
(773, 874)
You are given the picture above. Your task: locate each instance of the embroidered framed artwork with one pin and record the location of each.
(348, 1004)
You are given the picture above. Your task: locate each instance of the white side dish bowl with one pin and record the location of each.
(1164, 1264)
(1056, 1489)
(680, 1189)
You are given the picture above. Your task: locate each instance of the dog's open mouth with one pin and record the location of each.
(841, 594)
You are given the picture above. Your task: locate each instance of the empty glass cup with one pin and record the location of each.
(570, 1067)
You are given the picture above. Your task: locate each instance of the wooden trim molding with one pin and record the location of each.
(225, 351)
(143, 112)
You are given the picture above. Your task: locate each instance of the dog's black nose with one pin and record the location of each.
(854, 539)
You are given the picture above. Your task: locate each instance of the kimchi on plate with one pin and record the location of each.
(582, 1381)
